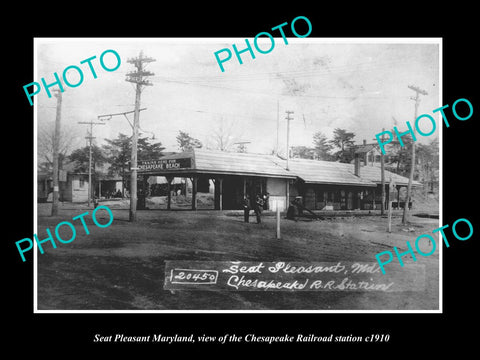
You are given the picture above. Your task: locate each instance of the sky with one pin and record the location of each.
(360, 85)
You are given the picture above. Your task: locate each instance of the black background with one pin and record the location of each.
(410, 334)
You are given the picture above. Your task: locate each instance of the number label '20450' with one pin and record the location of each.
(191, 276)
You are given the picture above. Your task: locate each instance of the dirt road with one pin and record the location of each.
(122, 267)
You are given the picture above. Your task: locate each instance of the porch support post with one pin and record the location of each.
(169, 191)
(220, 188)
(244, 187)
(287, 203)
(194, 192)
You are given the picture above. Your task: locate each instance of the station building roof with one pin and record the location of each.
(248, 164)
(374, 174)
(223, 163)
(239, 163)
(324, 172)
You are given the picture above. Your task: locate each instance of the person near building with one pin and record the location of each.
(246, 209)
(292, 211)
(266, 196)
(258, 208)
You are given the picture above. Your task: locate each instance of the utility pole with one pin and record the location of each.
(278, 126)
(390, 186)
(382, 169)
(56, 145)
(90, 138)
(139, 78)
(288, 135)
(412, 169)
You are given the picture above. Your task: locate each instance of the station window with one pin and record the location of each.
(337, 196)
(319, 196)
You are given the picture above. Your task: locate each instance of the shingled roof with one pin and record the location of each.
(324, 172)
(310, 171)
(213, 161)
(374, 174)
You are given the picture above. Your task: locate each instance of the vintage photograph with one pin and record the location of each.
(259, 188)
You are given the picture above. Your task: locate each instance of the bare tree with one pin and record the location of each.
(225, 135)
(69, 139)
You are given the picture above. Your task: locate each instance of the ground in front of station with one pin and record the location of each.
(122, 267)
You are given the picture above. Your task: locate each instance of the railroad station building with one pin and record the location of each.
(322, 185)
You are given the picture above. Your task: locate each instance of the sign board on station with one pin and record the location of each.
(164, 164)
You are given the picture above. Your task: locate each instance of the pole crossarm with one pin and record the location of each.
(90, 123)
(417, 90)
(109, 116)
